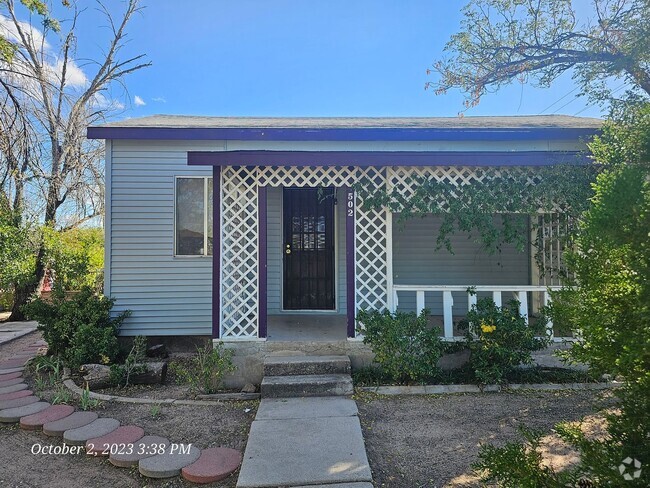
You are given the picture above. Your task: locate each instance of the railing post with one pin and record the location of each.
(471, 301)
(496, 297)
(447, 304)
(419, 301)
(523, 304)
(549, 324)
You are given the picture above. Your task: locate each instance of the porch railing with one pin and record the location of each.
(519, 292)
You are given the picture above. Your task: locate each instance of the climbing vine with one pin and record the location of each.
(501, 205)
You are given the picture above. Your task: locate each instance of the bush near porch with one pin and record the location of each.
(407, 349)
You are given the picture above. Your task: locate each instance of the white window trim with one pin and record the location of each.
(205, 217)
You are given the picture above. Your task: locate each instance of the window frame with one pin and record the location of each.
(205, 217)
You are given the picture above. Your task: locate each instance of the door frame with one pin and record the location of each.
(335, 236)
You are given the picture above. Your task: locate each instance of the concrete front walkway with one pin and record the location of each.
(13, 330)
(296, 442)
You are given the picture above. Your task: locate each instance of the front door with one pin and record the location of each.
(308, 249)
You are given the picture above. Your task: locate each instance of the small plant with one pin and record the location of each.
(78, 329)
(207, 369)
(405, 346)
(121, 373)
(49, 364)
(155, 411)
(62, 395)
(86, 402)
(500, 339)
(40, 383)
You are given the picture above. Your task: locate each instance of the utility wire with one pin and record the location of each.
(559, 100)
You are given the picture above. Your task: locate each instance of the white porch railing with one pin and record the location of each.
(519, 292)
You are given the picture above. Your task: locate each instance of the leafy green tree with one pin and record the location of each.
(502, 41)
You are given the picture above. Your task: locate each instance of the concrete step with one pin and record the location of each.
(306, 365)
(306, 385)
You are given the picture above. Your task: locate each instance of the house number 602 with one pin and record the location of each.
(350, 204)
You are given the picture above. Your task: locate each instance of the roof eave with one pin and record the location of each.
(341, 134)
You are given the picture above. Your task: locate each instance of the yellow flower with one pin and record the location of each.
(105, 359)
(488, 328)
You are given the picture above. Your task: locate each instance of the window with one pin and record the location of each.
(193, 216)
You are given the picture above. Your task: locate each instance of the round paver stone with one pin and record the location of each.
(100, 427)
(12, 370)
(12, 388)
(102, 446)
(12, 363)
(50, 414)
(11, 382)
(77, 419)
(11, 415)
(169, 463)
(15, 394)
(18, 402)
(10, 376)
(215, 463)
(146, 447)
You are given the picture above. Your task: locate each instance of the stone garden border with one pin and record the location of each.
(452, 389)
(214, 399)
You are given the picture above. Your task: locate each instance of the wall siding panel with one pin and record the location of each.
(416, 262)
(166, 295)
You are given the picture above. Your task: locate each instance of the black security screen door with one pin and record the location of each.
(308, 249)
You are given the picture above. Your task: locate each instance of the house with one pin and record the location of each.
(249, 230)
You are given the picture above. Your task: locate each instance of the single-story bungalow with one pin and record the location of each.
(250, 231)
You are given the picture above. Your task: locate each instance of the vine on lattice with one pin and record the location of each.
(496, 205)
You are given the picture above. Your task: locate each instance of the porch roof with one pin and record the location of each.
(504, 128)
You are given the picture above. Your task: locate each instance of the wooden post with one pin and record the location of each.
(419, 301)
(523, 304)
(496, 297)
(447, 304)
(549, 325)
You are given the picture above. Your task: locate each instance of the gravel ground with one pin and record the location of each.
(431, 441)
(224, 424)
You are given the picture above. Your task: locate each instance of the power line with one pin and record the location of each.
(559, 100)
(593, 104)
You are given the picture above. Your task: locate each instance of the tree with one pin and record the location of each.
(54, 101)
(502, 41)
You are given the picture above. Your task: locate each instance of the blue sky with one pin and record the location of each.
(302, 58)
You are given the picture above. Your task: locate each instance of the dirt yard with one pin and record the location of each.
(431, 441)
(225, 424)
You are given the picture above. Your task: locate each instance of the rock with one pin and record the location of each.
(156, 373)
(249, 388)
(98, 375)
(157, 351)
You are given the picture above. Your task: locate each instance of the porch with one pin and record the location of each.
(374, 262)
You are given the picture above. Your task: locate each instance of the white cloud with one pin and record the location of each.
(159, 99)
(139, 102)
(9, 31)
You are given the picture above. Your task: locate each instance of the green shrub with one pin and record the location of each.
(499, 340)
(206, 369)
(404, 344)
(78, 329)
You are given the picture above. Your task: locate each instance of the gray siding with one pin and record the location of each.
(416, 262)
(274, 253)
(166, 295)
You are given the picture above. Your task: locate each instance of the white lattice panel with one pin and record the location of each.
(404, 179)
(239, 255)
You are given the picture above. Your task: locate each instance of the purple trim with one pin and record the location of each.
(350, 212)
(216, 252)
(384, 158)
(350, 134)
(262, 261)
